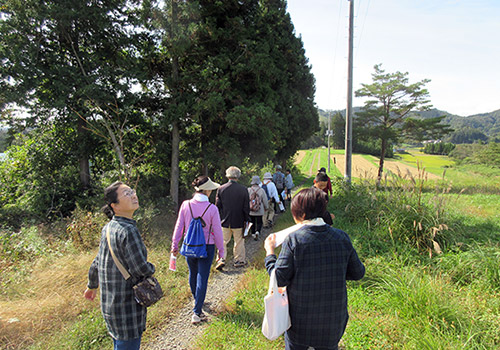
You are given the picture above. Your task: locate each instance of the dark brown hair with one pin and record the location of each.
(200, 180)
(111, 196)
(308, 204)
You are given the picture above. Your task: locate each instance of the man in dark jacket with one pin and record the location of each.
(233, 202)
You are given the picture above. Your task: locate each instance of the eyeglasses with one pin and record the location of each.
(128, 193)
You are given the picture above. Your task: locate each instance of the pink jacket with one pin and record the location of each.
(212, 230)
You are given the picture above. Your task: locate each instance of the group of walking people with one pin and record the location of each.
(235, 207)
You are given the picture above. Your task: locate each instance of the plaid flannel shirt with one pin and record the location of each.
(314, 264)
(125, 318)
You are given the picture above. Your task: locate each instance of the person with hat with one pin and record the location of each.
(272, 195)
(328, 189)
(279, 181)
(258, 205)
(199, 268)
(233, 202)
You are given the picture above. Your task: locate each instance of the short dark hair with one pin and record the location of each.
(111, 196)
(321, 177)
(308, 204)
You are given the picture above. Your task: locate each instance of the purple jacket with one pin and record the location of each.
(212, 230)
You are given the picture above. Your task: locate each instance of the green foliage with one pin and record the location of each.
(466, 135)
(488, 154)
(25, 244)
(38, 177)
(477, 266)
(385, 115)
(439, 148)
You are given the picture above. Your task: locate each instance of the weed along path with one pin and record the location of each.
(178, 332)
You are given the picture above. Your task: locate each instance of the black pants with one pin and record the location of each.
(256, 223)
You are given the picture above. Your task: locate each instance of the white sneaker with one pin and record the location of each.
(256, 236)
(198, 318)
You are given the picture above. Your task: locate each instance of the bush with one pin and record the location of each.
(85, 228)
(25, 244)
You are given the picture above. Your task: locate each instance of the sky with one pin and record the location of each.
(454, 43)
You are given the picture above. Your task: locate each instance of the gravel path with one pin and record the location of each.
(178, 332)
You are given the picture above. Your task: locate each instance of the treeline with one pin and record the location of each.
(443, 148)
(486, 154)
(153, 93)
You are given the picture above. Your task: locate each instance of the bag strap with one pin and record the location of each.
(273, 283)
(122, 269)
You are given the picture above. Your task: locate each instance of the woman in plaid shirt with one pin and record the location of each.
(314, 263)
(125, 318)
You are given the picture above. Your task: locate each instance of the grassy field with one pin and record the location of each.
(408, 299)
(411, 298)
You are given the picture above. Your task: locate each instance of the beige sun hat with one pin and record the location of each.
(267, 176)
(255, 180)
(208, 186)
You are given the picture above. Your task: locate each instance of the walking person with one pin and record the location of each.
(272, 195)
(233, 202)
(328, 188)
(279, 181)
(258, 205)
(125, 319)
(288, 184)
(314, 264)
(199, 268)
(321, 182)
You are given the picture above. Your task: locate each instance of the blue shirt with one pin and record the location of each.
(314, 264)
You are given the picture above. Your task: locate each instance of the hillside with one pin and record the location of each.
(487, 123)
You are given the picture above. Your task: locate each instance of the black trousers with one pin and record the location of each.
(256, 223)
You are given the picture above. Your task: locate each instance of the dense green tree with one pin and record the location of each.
(71, 60)
(338, 127)
(391, 98)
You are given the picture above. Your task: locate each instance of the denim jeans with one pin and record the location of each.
(291, 346)
(132, 344)
(199, 270)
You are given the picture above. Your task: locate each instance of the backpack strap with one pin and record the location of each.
(201, 217)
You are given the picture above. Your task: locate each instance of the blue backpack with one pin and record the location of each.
(194, 245)
(264, 187)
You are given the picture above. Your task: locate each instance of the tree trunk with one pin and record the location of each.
(381, 163)
(174, 166)
(174, 171)
(83, 158)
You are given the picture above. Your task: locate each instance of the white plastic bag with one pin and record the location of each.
(276, 318)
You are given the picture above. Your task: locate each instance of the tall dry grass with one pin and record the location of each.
(45, 301)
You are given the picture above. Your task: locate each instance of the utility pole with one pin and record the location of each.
(348, 119)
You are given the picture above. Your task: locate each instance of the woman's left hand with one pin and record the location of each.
(270, 243)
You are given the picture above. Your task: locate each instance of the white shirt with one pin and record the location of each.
(271, 189)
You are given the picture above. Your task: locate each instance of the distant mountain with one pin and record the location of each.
(487, 123)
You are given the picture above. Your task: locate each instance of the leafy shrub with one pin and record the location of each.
(25, 244)
(85, 228)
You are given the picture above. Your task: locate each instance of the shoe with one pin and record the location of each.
(220, 264)
(256, 236)
(198, 318)
(239, 264)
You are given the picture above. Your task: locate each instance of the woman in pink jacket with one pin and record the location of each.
(199, 268)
